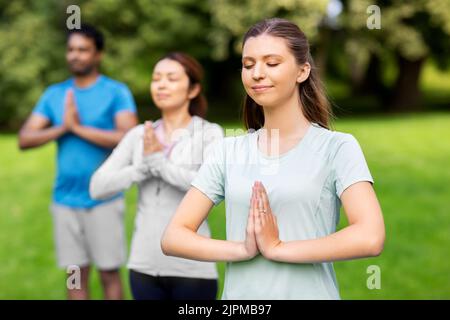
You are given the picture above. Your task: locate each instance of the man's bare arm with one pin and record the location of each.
(37, 131)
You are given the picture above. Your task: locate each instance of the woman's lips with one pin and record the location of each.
(162, 96)
(261, 88)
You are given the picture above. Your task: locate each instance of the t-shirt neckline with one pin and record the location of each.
(287, 153)
(91, 86)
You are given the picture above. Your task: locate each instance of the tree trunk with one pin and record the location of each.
(372, 82)
(322, 51)
(406, 94)
(368, 81)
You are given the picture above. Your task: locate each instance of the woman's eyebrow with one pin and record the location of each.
(168, 73)
(272, 55)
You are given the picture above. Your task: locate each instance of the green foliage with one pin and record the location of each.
(32, 39)
(412, 29)
(32, 44)
(31, 56)
(231, 19)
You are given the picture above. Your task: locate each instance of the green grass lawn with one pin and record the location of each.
(409, 158)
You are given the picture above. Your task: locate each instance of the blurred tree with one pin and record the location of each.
(411, 32)
(232, 18)
(137, 33)
(30, 55)
(32, 42)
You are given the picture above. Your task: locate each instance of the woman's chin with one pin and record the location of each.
(264, 100)
(165, 106)
(266, 103)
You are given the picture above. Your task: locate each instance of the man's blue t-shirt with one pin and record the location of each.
(77, 158)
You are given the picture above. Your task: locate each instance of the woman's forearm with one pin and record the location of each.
(185, 243)
(352, 242)
(171, 173)
(106, 183)
(119, 171)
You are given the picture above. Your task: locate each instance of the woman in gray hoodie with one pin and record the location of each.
(162, 158)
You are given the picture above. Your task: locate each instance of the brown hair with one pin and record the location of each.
(315, 105)
(198, 105)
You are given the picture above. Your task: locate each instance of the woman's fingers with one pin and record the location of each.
(148, 129)
(251, 214)
(263, 208)
(150, 138)
(274, 218)
(254, 203)
(257, 213)
(266, 202)
(265, 198)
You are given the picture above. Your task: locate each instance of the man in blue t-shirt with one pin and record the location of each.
(87, 115)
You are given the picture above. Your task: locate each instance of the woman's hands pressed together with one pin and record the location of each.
(250, 245)
(266, 227)
(151, 142)
(262, 229)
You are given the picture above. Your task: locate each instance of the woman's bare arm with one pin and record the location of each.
(181, 239)
(363, 237)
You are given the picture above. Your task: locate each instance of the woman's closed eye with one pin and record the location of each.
(272, 64)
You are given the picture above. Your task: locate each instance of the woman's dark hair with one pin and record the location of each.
(316, 107)
(90, 32)
(198, 105)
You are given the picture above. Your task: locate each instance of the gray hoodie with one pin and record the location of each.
(162, 182)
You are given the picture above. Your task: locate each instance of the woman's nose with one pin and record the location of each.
(258, 72)
(161, 84)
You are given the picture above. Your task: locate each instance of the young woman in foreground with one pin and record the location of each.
(162, 158)
(282, 205)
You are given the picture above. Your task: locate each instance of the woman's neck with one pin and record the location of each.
(175, 119)
(287, 118)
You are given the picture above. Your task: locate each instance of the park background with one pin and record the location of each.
(390, 88)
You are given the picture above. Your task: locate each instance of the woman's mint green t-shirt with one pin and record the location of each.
(304, 186)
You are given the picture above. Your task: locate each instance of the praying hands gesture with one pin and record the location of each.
(262, 229)
(71, 119)
(151, 142)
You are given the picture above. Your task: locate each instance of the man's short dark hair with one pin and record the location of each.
(89, 32)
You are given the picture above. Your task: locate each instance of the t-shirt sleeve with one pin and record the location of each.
(43, 107)
(210, 178)
(124, 100)
(350, 165)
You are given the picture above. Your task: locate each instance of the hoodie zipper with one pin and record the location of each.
(158, 187)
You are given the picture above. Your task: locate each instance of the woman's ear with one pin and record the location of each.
(194, 91)
(303, 72)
